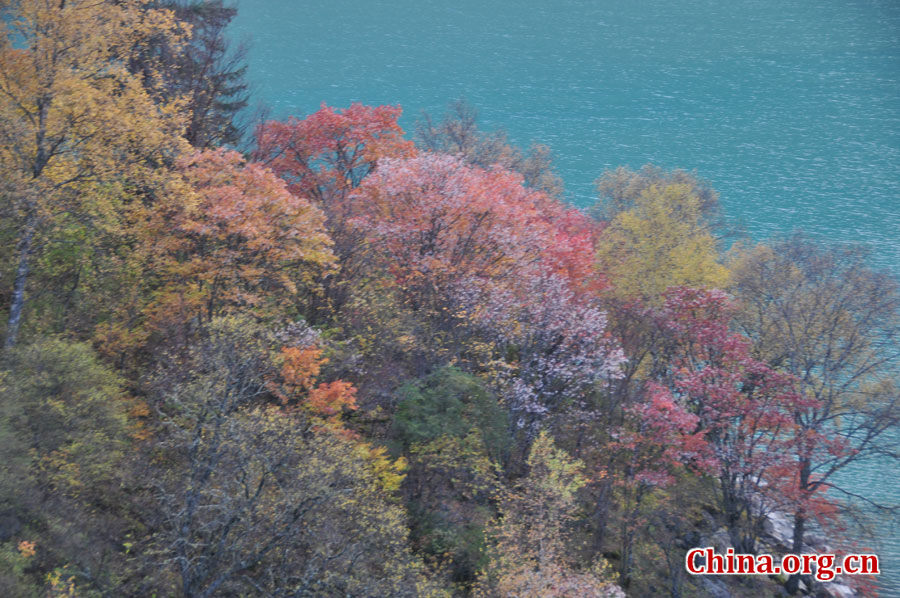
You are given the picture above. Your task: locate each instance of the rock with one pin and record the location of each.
(614, 591)
(817, 541)
(779, 527)
(836, 590)
(720, 540)
(715, 588)
(691, 539)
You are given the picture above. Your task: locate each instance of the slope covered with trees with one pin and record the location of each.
(344, 363)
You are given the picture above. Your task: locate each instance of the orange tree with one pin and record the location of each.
(238, 241)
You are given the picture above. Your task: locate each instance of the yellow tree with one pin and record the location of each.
(528, 546)
(78, 132)
(618, 190)
(659, 242)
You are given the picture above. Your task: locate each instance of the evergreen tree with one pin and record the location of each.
(208, 69)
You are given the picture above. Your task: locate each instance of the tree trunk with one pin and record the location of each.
(793, 582)
(18, 295)
(601, 514)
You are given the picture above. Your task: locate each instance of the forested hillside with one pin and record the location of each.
(321, 356)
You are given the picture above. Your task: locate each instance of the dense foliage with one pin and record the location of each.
(346, 364)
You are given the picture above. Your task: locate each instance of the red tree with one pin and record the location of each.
(476, 252)
(324, 157)
(327, 154)
(659, 439)
(432, 220)
(742, 408)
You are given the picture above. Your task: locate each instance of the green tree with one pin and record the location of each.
(206, 69)
(454, 434)
(450, 402)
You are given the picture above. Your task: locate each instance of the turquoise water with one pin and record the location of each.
(790, 107)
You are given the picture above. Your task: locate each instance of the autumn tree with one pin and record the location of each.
(646, 347)
(658, 236)
(744, 409)
(553, 354)
(434, 221)
(658, 439)
(261, 499)
(78, 132)
(64, 437)
(822, 314)
(458, 134)
(434, 226)
(619, 190)
(700, 404)
(529, 544)
(480, 256)
(659, 242)
(323, 158)
(435, 218)
(326, 155)
(239, 241)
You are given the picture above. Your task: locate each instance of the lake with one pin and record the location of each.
(791, 108)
